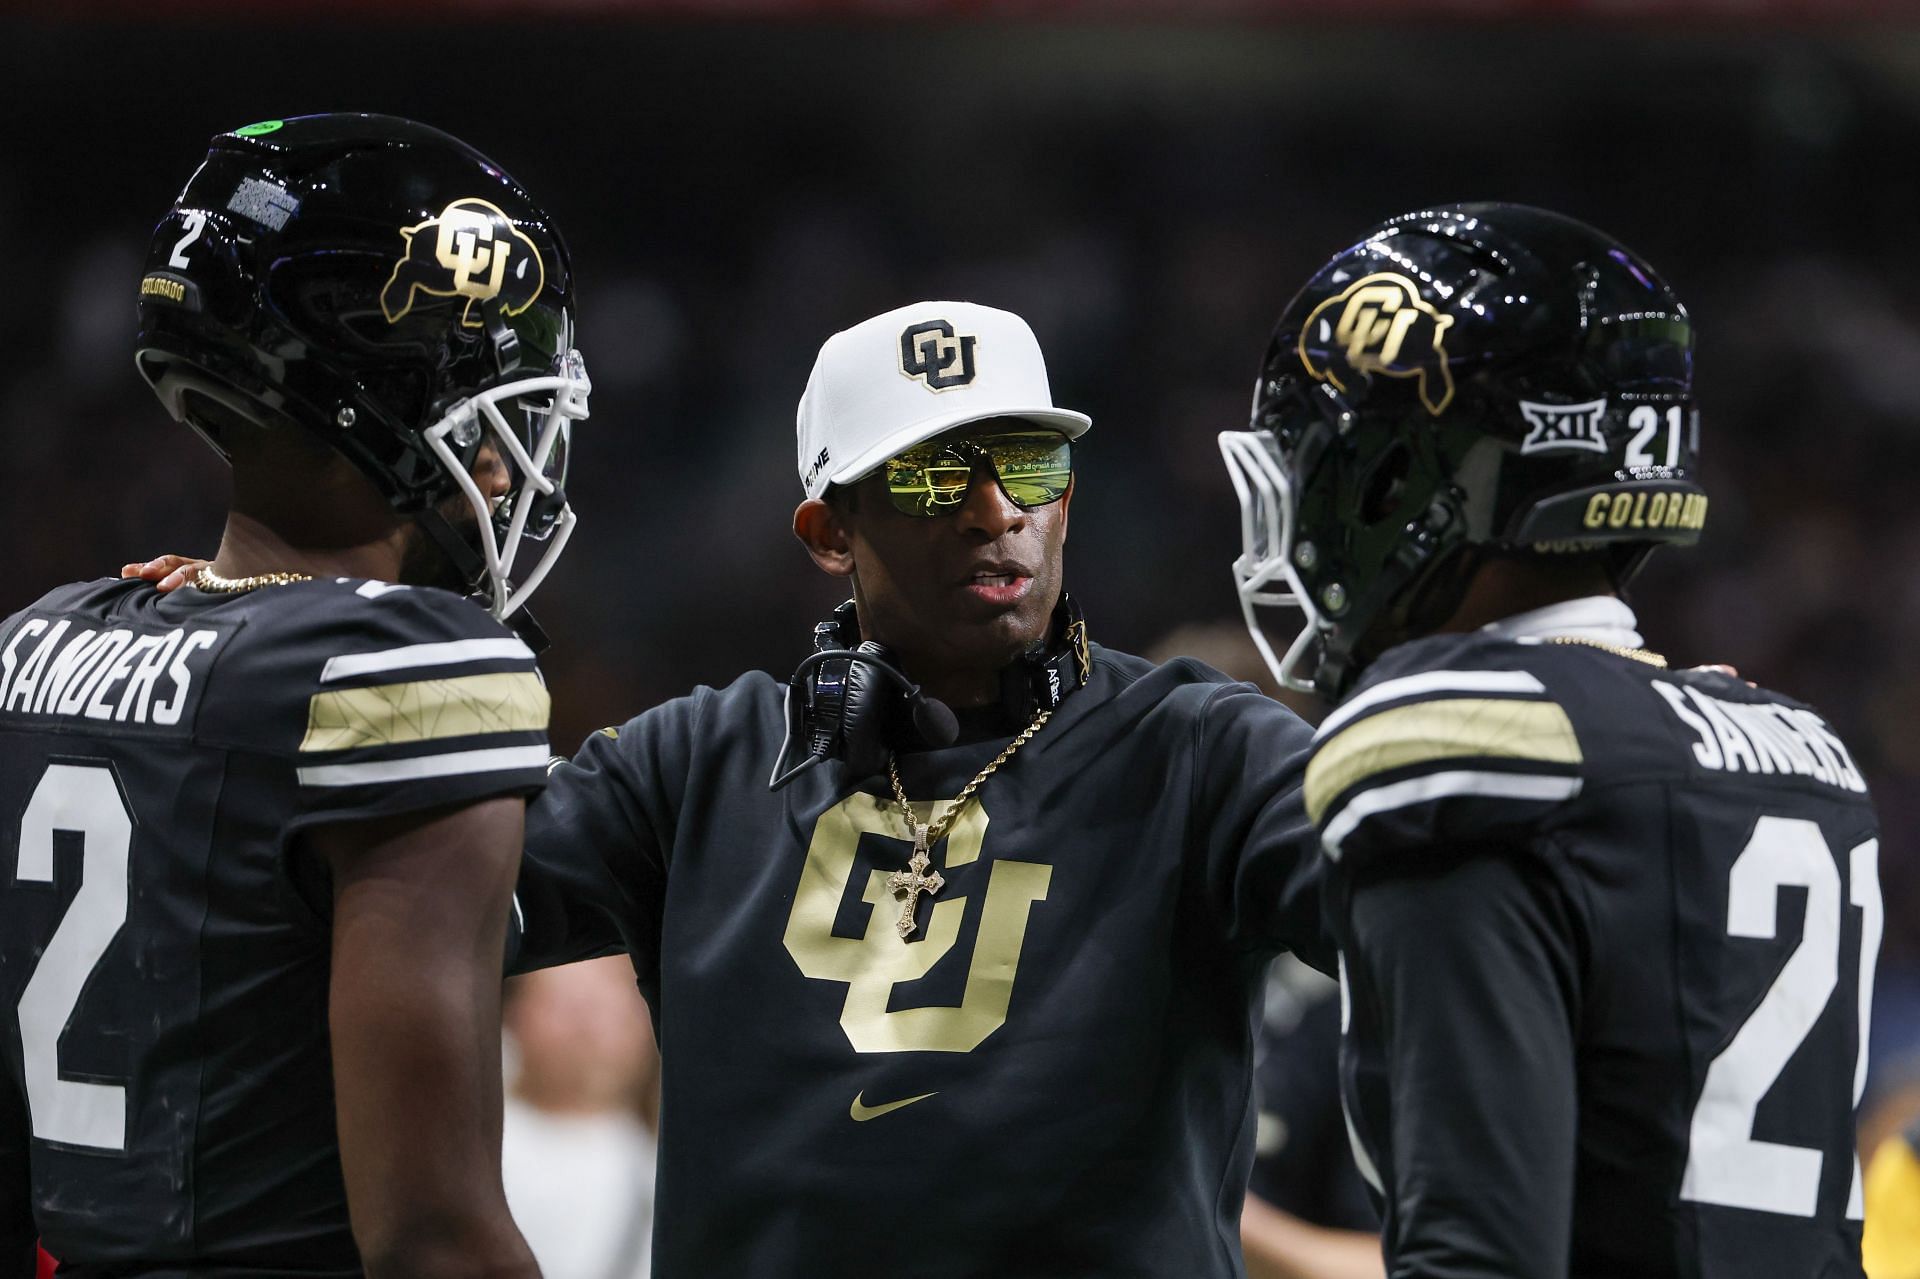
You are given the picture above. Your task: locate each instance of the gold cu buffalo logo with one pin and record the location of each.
(472, 251)
(936, 355)
(1382, 319)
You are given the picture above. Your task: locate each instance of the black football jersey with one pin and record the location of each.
(1049, 1077)
(1303, 1162)
(163, 951)
(1608, 935)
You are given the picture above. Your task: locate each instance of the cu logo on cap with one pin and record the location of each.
(933, 353)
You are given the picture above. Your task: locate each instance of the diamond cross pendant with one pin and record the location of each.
(913, 881)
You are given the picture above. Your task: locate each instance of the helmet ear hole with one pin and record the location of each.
(215, 417)
(1381, 493)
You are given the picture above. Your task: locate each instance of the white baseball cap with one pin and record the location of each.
(899, 379)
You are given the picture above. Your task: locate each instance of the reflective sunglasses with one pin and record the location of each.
(1033, 467)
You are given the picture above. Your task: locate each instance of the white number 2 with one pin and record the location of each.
(1645, 420)
(84, 800)
(1725, 1164)
(195, 222)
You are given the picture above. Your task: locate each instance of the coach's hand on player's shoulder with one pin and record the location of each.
(168, 572)
(1721, 668)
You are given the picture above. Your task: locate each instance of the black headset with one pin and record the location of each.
(849, 701)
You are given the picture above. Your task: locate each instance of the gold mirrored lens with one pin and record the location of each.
(926, 482)
(1035, 468)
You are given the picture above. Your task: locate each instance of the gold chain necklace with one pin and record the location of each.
(208, 580)
(915, 880)
(1637, 654)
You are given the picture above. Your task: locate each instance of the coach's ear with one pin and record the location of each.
(168, 572)
(823, 532)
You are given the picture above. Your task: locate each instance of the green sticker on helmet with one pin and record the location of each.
(258, 130)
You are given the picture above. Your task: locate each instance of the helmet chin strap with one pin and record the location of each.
(1425, 603)
(1626, 561)
(470, 567)
(468, 564)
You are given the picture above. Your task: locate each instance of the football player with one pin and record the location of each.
(1607, 929)
(1308, 1215)
(974, 995)
(258, 837)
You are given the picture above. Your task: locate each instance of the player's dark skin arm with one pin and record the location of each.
(1469, 971)
(420, 911)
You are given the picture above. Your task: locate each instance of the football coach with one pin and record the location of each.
(974, 994)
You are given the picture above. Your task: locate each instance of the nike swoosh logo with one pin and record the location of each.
(862, 1113)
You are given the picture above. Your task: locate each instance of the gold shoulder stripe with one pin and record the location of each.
(1427, 732)
(386, 715)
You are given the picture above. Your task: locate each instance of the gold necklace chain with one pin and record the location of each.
(915, 880)
(208, 580)
(1636, 654)
(935, 830)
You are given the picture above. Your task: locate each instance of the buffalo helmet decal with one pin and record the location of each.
(471, 250)
(1385, 327)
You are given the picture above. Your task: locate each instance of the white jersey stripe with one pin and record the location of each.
(1429, 682)
(450, 653)
(452, 764)
(1361, 1159)
(1417, 790)
(373, 590)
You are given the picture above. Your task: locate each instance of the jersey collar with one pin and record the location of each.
(1602, 619)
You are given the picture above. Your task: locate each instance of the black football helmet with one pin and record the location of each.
(394, 292)
(1466, 380)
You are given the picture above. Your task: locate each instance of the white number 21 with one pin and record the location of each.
(1726, 1164)
(1645, 421)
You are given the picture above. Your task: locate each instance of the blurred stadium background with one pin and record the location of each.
(1145, 180)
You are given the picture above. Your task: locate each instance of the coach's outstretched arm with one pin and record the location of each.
(420, 911)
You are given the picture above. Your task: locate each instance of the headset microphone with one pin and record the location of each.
(824, 735)
(933, 719)
(849, 701)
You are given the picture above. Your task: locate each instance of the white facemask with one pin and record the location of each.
(549, 405)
